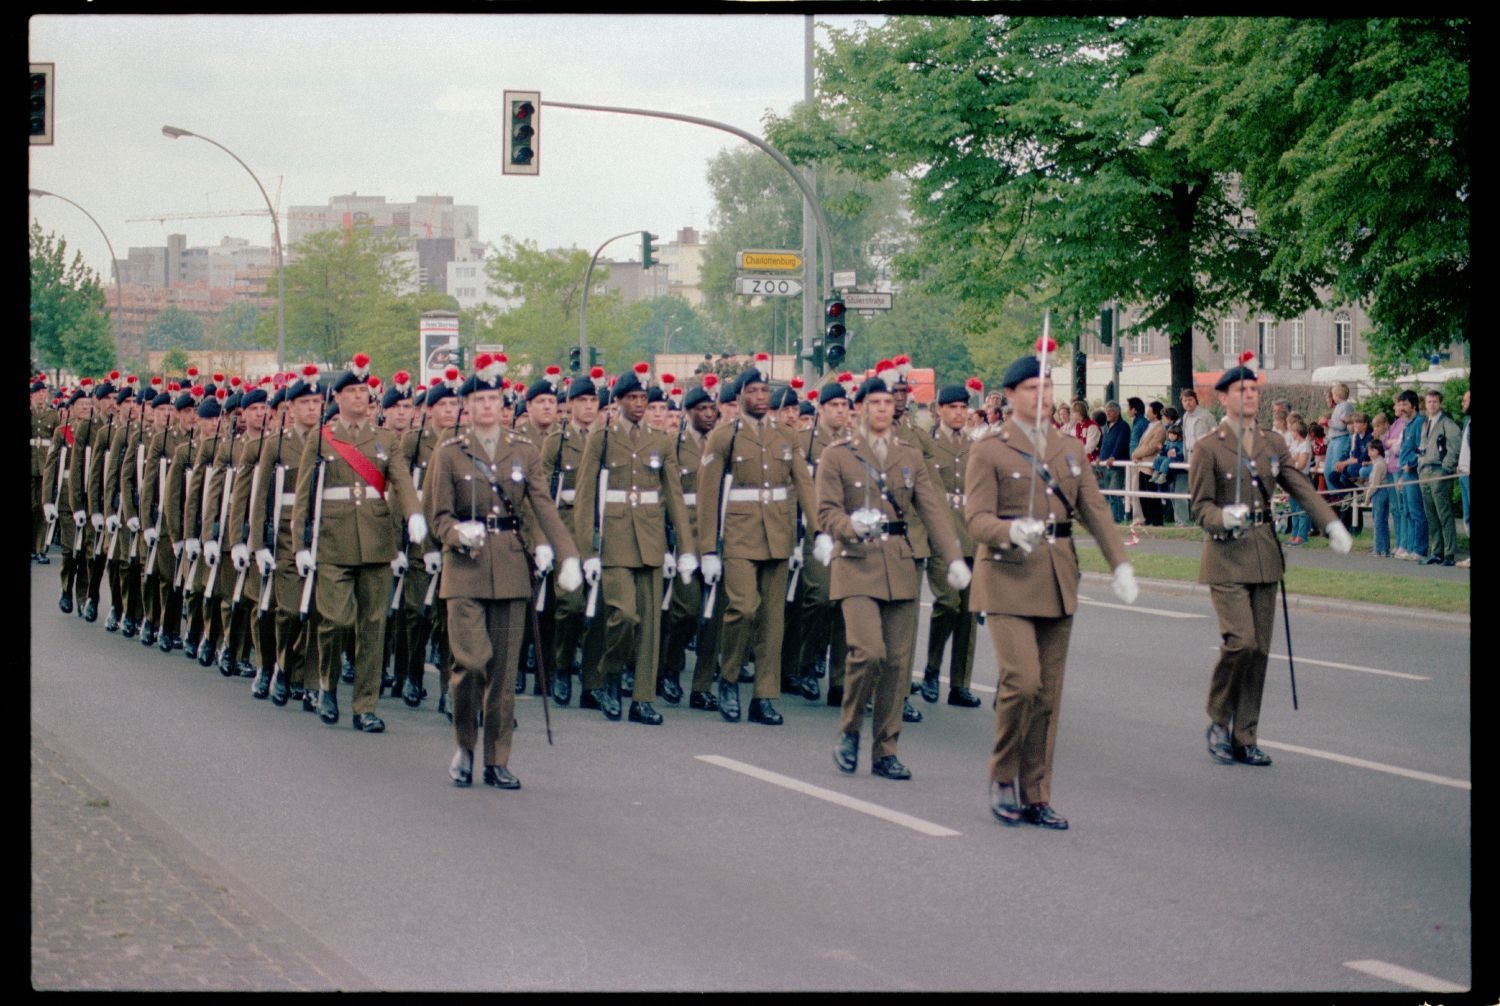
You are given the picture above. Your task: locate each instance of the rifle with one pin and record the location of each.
(177, 573)
(592, 605)
(116, 500)
(88, 460)
(109, 432)
(432, 585)
(239, 581)
(270, 531)
(221, 526)
(161, 493)
(311, 531)
(62, 470)
(726, 483)
(536, 628)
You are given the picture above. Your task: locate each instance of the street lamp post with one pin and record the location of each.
(113, 262)
(172, 132)
(666, 336)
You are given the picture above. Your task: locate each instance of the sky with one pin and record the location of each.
(398, 105)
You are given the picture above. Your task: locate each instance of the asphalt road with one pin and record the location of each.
(701, 855)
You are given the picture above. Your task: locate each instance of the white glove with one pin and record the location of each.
(193, 549)
(592, 570)
(151, 535)
(211, 553)
(668, 566)
(1338, 537)
(176, 549)
(712, 568)
(1025, 532)
(959, 574)
(49, 510)
(543, 558)
(1125, 587)
(134, 524)
(398, 564)
(304, 563)
(687, 565)
(1235, 515)
(112, 523)
(432, 562)
(416, 527)
(866, 522)
(794, 561)
(98, 521)
(79, 518)
(823, 549)
(569, 577)
(239, 555)
(471, 535)
(265, 561)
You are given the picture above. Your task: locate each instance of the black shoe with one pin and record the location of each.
(761, 711)
(1447, 562)
(165, 644)
(1043, 816)
(1249, 754)
(387, 683)
(279, 691)
(347, 675)
(641, 712)
(328, 708)
(627, 682)
(310, 700)
(177, 642)
(704, 701)
(91, 608)
(747, 676)
(589, 699)
(1004, 803)
(42, 560)
(112, 623)
(260, 688)
(461, 768)
(669, 690)
(500, 778)
(962, 697)
(295, 692)
(890, 768)
(1219, 748)
(369, 723)
(128, 627)
(909, 713)
(562, 689)
(189, 648)
(929, 686)
(846, 752)
(1433, 560)
(206, 657)
(412, 694)
(604, 702)
(148, 633)
(729, 700)
(820, 668)
(246, 668)
(811, 690)
(65, 604)
(226, 664)
(835, 695)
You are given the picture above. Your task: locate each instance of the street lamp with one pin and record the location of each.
(172, 132)
(666, 338)
(113, 261)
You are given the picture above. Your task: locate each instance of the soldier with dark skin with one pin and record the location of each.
(477, 485)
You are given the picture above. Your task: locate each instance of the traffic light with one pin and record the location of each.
(1106, 327)
(575, 359)
(833, 331)
(815, 355)
(41, 103)
(649, 251)
(522, 139)
(1080, 375)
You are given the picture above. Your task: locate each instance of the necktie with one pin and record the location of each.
(879, 448)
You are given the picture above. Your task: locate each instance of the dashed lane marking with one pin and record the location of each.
(1398, 975)
(1349, 667)
(1408, 773)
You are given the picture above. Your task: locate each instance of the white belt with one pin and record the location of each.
(957, 499)
(631, 496)
(351, 493)
(290, 499)
(757, 495)
(691, 499)
(42, 442)
(568, 495)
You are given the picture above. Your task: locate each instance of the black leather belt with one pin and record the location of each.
(893, 527)
(1061, 529)
(494, 524)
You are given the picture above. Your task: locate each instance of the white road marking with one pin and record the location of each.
(1441, 780)
(863, 806)
(1163, 612)
(1349, 667)
(1398, 975)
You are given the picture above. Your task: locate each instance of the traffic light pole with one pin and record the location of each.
(583, 303)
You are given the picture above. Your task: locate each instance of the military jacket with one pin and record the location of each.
(688, 449)
(157, 480)
(998, 489)
(645, 491)
(912, 435)
(44, 421)
(80, 462)
(770, 480)
(282, 451)
(464, 484)
(55, 479)
(1251, 554)
(884, 567)
(359, 524)
(947, 457)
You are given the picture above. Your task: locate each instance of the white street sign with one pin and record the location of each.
(868, 301)
(767, 286)
(844, 280)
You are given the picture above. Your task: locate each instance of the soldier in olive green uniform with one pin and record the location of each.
(627, 554)
(477, 486)
(163, 498)
(364, 484)
(249, 640)
(124, 583)
(199, 517)
(56, 480)
(143, 471)
(44, 420)
(97, 451)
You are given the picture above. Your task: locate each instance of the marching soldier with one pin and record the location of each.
(1024, 488)
(906, 430)
(125, 599)
(397, 412)
(867, 487)
(97, 450)
(621, 521)
(165, 497)
(244, 630)
(44, 420)
(477, 484)
(56, 482)
(142, 471)
(199, 515)
(1231, 478)
(948, 454)
(348, 476)
(747, 537)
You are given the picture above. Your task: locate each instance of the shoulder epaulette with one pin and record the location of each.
(516, 438)
(461, 439)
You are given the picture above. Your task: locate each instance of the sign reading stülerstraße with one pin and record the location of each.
(868, 301)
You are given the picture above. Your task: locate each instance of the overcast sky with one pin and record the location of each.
(397, 105)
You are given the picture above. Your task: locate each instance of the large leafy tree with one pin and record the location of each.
(69, 319)
(342, 292)
(172, 328)
(1040, 170)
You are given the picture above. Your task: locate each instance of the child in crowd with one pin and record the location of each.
(1299, 449)
(1378, 494)
(1170, 453)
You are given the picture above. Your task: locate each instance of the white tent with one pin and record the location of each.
(1357, 376)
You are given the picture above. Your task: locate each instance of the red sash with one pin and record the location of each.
(362, 465)
(68, 435)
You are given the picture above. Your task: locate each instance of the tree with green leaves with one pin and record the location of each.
(69, 319)
(173, 327)
(341, 292)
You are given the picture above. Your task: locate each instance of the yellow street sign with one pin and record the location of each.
(774, 260)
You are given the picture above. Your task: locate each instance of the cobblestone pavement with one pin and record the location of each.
(115, 906)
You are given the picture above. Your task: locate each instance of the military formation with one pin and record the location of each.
(581, 536)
